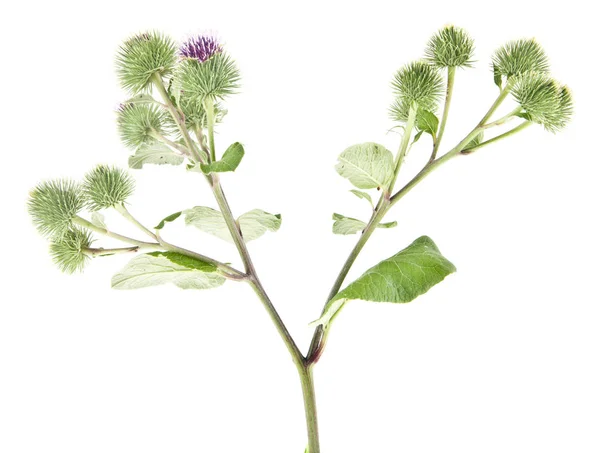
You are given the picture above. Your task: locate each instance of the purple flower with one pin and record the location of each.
(201, 48)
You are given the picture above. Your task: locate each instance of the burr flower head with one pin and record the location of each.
(417, 84)
(142, 57)
(544, 100)
(105, 187)
(200, 48)
(53, 205)
(518, 57)
(450, 47)
(68, 251)
(138, 122)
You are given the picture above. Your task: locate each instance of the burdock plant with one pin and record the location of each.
(177, 96)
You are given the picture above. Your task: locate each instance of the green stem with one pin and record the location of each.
(504, 119)
(442, 128)
(105, 252)
(177, 116)
(410, 124)
(501, 97)
(513, 131)
(310, 407)
(121, 209)
(210, 119)
(90, 226)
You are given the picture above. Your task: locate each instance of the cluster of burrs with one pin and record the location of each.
(192, 80)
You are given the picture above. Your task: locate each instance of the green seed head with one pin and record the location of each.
(544, 100)
(138, 122)
(53, 205)
(215, 78)
(518, 57)
(105, 187)
(143, 56)
(450, 47)
(417, 84)
(68, 251)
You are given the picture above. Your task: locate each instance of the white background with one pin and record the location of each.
(502, 356)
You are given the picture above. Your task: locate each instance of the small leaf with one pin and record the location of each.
(158, 268)
(476, 141)
(156, 153)
(347, 225)
(167, 219)
(388, 224)
(427, 122)
(229, 162)
(399, 279)
(253, 223)
(497, 76)
(364, 195)
(367, 165)
(417, 137)
(141, 99)
(98, 220)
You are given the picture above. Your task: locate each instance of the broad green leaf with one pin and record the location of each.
(427, 122)
(156, 153)
(169, 218)
(158, 268)
(229, 162)
(141, 99)
(253, 223)
(364, 195)
(388, 224)
(347, 225)
(367, 165)
(98, 220)
(399, 279)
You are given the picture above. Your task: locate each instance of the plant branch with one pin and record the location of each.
(513, 131)
(210, 120)
(93, 252)
(90, 226)
(442, 128)
(121, 209)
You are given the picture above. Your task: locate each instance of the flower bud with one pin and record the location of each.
(53, 205)
(138, 122)
(418, 85)
(143, 56)
(450, 47)
(68, 251)
(518, 57)
(105, 187)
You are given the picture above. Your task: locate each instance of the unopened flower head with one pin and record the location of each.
(68, 251)
(450, 47)
(105, 187)
(417, 84)
(142, 57)
(518, 57)
(139, 123)
(201, 48)
(54, 204)
(545, 101)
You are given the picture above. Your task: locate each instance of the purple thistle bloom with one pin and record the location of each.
(201, 48)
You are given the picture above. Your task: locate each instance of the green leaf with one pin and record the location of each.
(427, 122)
(367, 165)
(253, 223)
(388, 224)
(169, 218)
(497, 76)
(141, 99)
(229, 162)
(399, 279)
(158, 268)
(155, 153)
(417, 137)
(364, 195)
(98, 220)
(524, 115)
(347, 225)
